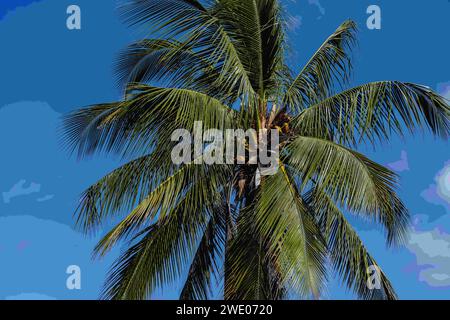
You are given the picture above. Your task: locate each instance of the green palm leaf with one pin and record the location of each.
(156, 259)
(330, 64)
(192, 185)
(364, 187)
(148, 116)
(349, 256)
(282, 226)
(373, 112)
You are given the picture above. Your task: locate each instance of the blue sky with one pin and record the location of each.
(48, 70)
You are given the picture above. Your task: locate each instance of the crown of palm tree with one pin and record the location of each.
(222, 62)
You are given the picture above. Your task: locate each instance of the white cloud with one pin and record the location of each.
(19, 189)
(440, 276)
(432, 251)
(439, 192)
(47, 197)
(434, 243)
(400, 165)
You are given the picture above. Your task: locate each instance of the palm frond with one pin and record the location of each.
(251, 273)
(198, 26)
(330, 66)
(172, 64)
(121, 190)
(192, 185)
(374, 111)
(349, 256)
(168, 16)
(146, 118)
(155, 60)
(292, 241)
(352, 180)
(156, 259)
(256, 29)
(207, 257)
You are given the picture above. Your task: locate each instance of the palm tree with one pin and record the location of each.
(222, 62)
